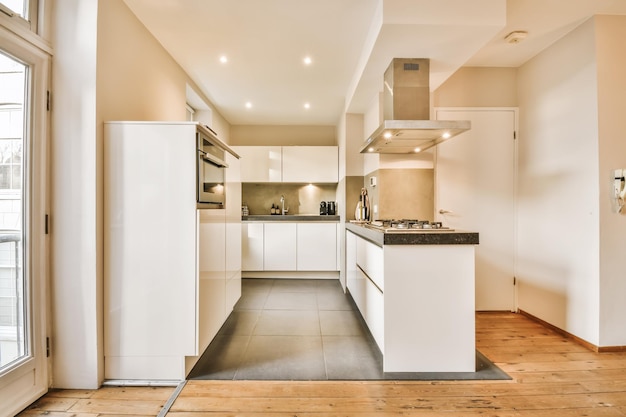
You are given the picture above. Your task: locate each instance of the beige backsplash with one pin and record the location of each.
(299, 198)
(402, 194)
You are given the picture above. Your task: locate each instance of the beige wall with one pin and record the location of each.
(557, 227)
(106, 66)
(611, 60)
(401, 194)
(256, 135)
(478, 87)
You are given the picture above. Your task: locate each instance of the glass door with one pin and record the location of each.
(13, 335)
(23, 202)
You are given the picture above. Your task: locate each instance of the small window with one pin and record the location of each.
(190, 113)
(24, 11)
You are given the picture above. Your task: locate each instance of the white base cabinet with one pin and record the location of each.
(289, 246)
(417, 301)
(316, 246)
(252, 237)
(279, 246)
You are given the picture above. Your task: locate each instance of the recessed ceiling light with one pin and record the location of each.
(248, 105)
(223, 59)
(417, 150)
(307, 60)
(446, 135)
(307, 106)
(387, 135)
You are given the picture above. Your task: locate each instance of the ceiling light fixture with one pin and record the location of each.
(248, 105)
(446, 135)
(307, 106)
(307, 60)
(223, 59)
(516, 36)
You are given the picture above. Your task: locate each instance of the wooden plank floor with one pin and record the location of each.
(552, 376)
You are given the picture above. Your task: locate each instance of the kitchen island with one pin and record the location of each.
(415, 291)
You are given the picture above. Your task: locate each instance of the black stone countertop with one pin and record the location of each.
(289, 218)
(414, 238)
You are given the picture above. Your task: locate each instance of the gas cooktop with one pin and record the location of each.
(407, 226)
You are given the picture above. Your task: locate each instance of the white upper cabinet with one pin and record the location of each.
(297, 164)
(313, 164)
(260, 163)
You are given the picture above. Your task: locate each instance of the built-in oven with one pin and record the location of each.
(211, 172)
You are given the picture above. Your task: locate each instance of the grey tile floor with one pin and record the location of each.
(295, 329)
(284, 329)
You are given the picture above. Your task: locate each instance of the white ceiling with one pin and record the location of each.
(350, 42)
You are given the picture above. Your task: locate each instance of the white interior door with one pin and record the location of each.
(475, 191)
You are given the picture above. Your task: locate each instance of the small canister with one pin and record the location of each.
(323, 208)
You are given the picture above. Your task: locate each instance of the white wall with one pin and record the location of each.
(76, 281)
(558, 230)
(611, 60)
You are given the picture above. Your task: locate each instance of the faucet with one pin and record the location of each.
(282, 201)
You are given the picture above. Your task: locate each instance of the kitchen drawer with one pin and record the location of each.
(369, 258)
(374, 311)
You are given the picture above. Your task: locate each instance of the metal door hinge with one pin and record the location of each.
(48, 100)
(514, 281)
(514, 135)
(47, 347)
(46, 219)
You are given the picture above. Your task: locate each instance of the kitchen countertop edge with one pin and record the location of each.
(415, 238)
(290, 218)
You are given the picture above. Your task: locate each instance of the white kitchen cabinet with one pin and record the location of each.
(374, 310)
(351, 261)
(429, 286)
(212, 274)
(233, 261)
(365, 281)
(370, 259)
(316, 246)
(294, 164)
(252, 236)
(150, 277)
(260, 163)
(170, 271)
(314, 164)
(279, 246)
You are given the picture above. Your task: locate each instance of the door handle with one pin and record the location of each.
(442, 211)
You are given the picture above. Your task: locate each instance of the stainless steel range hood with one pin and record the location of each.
(406, 110)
